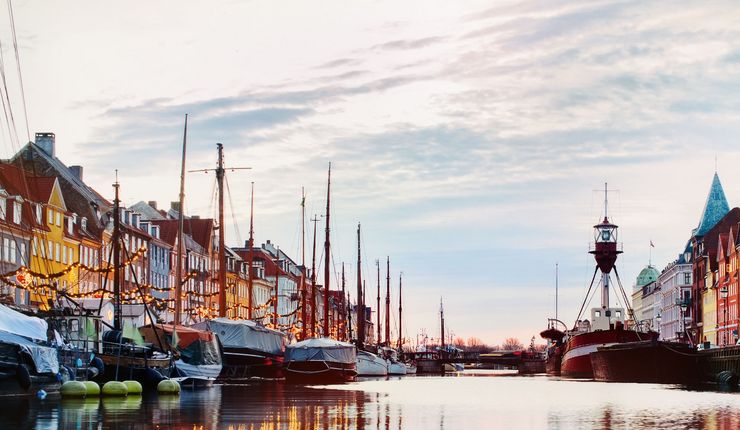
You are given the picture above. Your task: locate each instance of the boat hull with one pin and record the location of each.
(396, 368)
(200, 375)
(149, 372)
(320, 372)
(371, 365)
(647, 362)
(576, 360)
(243, 363)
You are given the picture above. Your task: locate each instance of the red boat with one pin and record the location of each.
(606, 325)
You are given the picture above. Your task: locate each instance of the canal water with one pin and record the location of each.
(467, 400)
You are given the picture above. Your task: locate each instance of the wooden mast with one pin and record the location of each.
(360, 298)
(250, 256)
(315, 220)
(442, 323)
(400, 310)
(221, 236)
(327, 257)
(342, 334)
(304, 314)
(388, 303)
(377, 309)
(277, 290)
(180, 221)
(117, 323)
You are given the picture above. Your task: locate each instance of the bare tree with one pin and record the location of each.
(512, 344)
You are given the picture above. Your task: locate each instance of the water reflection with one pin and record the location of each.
(484, 401)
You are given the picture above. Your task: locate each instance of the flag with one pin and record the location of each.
(651, 244)
(130, 332)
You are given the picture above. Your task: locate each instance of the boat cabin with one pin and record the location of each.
(604, 319)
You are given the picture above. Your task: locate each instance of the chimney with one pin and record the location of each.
(46, 141)
(175, 206)
(153, 203)
(77, 171)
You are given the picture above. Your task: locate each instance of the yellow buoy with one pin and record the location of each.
(115, 388)
(92, 388)
(134, 387)
(168, 386)
(73, 389)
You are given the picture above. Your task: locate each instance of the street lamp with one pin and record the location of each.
(723, 295)
(684, 305)
(657, 320)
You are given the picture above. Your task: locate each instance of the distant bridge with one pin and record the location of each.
(525, 361)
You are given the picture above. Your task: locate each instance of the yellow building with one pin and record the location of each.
(709, 311)
(55, 243)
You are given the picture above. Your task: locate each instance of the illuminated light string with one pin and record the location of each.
(138, 254)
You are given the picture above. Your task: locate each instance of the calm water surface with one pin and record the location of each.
(468, 400)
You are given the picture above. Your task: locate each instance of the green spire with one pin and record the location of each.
(715, 208)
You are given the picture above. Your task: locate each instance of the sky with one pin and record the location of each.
(469, 138)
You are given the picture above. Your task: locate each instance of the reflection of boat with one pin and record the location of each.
(198, 354)
(249, 349)
(27, 362)
(647, 361)
(369, 364)
(320, 360)
(606, 326)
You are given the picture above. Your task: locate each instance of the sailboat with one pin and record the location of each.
(395, 366)
(322, 360)
(368, 364)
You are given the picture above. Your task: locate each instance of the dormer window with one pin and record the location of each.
(83, 223)
(17, 211)
(38, 214)
(3, 206)
(58, 219)
(70, 226)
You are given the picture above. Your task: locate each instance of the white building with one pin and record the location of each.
(675, 285)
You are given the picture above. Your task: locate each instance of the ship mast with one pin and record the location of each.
(388, 302)
(221, 236)
(400, 310)
(342, 333)
(315, 220)
(116, 258)
(250, 256)
(180, 221)
(277, 290)
(442, 324)
(303, 264)
(377, 309)
(360, 298)
(327, 257)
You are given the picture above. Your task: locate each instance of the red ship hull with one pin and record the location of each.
(576, 361)
(648, 362)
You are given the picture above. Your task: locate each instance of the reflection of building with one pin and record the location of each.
(675, 291)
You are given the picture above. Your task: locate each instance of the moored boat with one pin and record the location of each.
(198, 360)
(250, 350)
(28, 362)
(320, 360)
(369, 364)
(649, 361)
(607, 324)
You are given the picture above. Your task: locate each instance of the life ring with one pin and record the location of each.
(23, 376)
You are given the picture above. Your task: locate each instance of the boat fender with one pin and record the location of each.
(133, 387)
(23, 376)
(73, 389)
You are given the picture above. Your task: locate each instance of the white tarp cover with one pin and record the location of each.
(321, 349)
(245, 334)
(15, 322)
(44, 357)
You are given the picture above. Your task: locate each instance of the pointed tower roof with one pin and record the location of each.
(715, 208)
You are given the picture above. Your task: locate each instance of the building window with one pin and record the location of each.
(2, 207)
(38, 214)
(34, 246)
(6, 249)
(64, 254)
(59, 219)
(13, 253)
(687, 278)
(71, 255)
(17, 211)
(50, 255)
(24, 257)
(50, 216)
(58, 252)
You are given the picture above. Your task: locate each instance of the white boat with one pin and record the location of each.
(369, 364)
(395, 367)
(410, 368)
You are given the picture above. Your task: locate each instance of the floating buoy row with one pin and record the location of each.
(114, 388)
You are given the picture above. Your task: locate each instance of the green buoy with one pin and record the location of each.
(115, 388)
(134, 387)
(92, 388)
(168, 386)
(73, 389)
